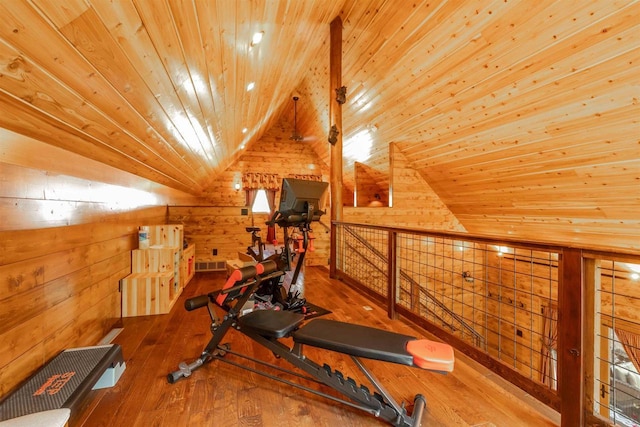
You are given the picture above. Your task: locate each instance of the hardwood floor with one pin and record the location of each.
(219, 394)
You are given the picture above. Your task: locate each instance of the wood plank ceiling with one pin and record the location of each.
(519, 114)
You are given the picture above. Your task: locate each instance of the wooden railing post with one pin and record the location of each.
(335, 118)
(333, 250)
(392, 274)
(592, 322)
(570, 334)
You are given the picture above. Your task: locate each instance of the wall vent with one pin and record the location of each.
(211, 266)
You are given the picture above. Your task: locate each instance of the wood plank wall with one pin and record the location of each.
(68, 226)
(60, 288)
(412, 201)
(219, 222)
(371, 186)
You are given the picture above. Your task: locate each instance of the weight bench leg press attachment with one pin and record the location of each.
(267, 327)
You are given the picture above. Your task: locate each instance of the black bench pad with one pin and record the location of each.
(356, 340)
(271, 323)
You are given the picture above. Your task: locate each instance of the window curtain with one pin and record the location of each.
(252, 182)
(271, 229)
(549, 368)
(250, 196)
(270, 182)
(631, 344)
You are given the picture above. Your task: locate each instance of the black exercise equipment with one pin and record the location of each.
(65, 380)
(272, 291)
(299, 206)
(256, 239)
(267, 327)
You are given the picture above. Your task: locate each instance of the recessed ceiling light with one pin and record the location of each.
(257, 38)
(244, 130)
(250, 86)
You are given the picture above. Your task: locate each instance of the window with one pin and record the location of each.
(260, 204)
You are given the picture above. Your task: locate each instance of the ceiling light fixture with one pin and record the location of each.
(250, 86)
(257, 38)
(295, 136)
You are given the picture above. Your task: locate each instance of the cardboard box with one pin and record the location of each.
(243, 260)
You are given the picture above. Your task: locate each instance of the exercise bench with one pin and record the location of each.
(268, 327)
(62, 383)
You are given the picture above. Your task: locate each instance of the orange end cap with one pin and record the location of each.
(431, 355)
(235, 276)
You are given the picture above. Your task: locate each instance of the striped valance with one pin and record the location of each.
(270, 181)
(255, 181)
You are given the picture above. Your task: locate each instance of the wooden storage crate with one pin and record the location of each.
(188, 264)
(153, 260)
(148, 293)
(166, 235)
(156, 275)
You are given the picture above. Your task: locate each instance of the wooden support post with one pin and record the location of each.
(335, 119)
(592, 323)
(392, 275)
(570, 333)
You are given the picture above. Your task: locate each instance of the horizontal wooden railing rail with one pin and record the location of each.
(573, 397)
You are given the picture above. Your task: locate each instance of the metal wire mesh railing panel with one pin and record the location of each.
(497, 299)
(503, 301)
(363, 255)
(617, 342)
(522, 295)
(500, 300)
(437, 281)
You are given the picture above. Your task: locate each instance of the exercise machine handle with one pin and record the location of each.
(419, 404)
(196, 302)
(268, 266)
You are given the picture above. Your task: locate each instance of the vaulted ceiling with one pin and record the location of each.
(508, 109)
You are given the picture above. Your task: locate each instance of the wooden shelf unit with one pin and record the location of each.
(159, 273)
(148, 293)
(188, 264)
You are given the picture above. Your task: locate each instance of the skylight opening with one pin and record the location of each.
(359, 146)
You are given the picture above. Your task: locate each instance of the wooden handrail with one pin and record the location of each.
(629, 255)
